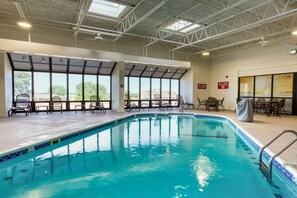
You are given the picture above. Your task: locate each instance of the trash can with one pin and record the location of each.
(244, 110)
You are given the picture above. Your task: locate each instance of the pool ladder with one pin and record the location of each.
(267, 169)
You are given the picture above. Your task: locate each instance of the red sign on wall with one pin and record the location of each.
(202, 86)
(223, 85)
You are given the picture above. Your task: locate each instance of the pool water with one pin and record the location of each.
(168, 156)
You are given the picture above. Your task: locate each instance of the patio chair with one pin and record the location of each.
(221, 104)
(56, 104)
(212, 102)
(22, 105)
(201, 103)
(95, 104)
(131, 106)
(163, 106)
(280, 108)
(183, 104)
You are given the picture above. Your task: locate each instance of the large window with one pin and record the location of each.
(134, 88)
(22, 83)
(104, 87)
(283, 85)
(145, 89)
(263, 86)
(165, 89)
(90, 86)
(75, 87)
(156, 88)
(59, 85)
(41, 86)
(246, 86)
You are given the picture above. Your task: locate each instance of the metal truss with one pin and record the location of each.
(140, 12)
(221, 6)
(268, 30)
(82, 11)
(260, 15)
(22, 10)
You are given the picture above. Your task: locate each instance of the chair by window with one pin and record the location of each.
(184, 104)
(201, 103)
(96, 104)
(163, 106)
(56, 104)
(212, 103)
(21, 105)
(280, 108)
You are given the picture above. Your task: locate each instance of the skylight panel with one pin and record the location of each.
(107, 8)
(182, 26)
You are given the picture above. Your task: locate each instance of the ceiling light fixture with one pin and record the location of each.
(24, 24)
(151, 68)
(294, 33)
(43, 59)
(24, 57)
(61, 60)
(205, 53)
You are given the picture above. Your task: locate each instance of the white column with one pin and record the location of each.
(186, 86)
(118, 87)
(5, 84)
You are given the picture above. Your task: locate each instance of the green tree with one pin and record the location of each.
(59, 90)
(22, 83)
(90, 90)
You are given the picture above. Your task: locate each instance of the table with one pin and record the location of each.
(81, 107)
(265, 106)
(43, 106)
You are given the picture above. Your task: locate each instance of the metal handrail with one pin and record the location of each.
(269, 173)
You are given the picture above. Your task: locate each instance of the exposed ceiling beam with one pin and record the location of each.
(238, 23)
(82, 11)
(135, 18)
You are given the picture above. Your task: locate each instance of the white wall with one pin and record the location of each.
(118, 91)
(5, 85)
(254, 61)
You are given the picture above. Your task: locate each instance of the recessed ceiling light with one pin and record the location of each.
(294, 32)
(43, 59)
(24, 24)
(205, 53)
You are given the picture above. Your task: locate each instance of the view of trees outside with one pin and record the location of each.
(41, 86)
(22, 83)
(104, 87)
(59, 84)
(75, 87)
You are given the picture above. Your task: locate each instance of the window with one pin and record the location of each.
(145, 89)
(107, 8)
(22, 83)
(283, 85)
(134, 88)
(59, 85)
(75, 87)
(246, 86)
(90, 86)
(41, 86)
(104, 87)
(263, 86)
(174, 90)
(182, 26)
(165, 89)
(155, 88)
(126, 88)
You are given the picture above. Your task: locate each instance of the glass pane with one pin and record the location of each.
(165, 89)
(126, 88)
(134, 88)
(145, 88)
(59, 85)
(104, 87)
(22, 83)
(246, 86)
(90, 86)
(75, 87)
(174, 89)
(41, 86)
(156, 88)
(263, 86)
(283, 85)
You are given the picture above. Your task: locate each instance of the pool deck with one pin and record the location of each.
(18, 131)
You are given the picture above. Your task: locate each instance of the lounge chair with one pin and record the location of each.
(163, 106)
(131, 106)
(22, 105)
(56, 104)
(184, 105)
(96, 105)
(279, 108)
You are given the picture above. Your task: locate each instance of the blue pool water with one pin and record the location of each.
(168, 156)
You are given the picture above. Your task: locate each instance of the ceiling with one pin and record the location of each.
(223, 23)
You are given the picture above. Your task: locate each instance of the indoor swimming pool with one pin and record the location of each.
(144, 156)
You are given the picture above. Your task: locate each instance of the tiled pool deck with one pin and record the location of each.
(19, 131)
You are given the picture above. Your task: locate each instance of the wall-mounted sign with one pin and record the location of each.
(202, 86)
(223, 85)
(121, 85)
